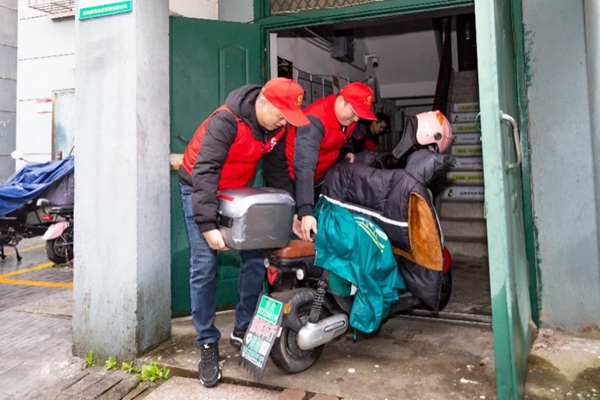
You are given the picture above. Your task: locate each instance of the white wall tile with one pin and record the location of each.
(8, 62)
(8, 123)
(8, 88)
(8, 27)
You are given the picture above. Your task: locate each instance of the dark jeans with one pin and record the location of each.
(203, 279)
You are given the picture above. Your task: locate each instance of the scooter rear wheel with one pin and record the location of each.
(286, 354)
(60, 250)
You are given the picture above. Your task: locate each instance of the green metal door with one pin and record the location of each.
(511, 308)
(208, 60)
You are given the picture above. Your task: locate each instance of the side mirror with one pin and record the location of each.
(42, 202)
(17, 155)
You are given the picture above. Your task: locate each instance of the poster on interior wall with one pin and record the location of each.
(304, 81)
(327, 87)
(102, 8)
(317, 89)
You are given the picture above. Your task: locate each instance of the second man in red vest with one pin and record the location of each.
(312, 149)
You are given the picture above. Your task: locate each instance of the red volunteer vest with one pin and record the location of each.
(369, 143)
(333, 140)
(244, 154)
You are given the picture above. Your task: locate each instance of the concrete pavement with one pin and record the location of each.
(409, 359)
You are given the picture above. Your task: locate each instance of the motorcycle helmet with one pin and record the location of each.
(425, 130)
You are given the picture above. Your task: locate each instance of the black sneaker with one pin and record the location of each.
(209, 370)
(237, 337)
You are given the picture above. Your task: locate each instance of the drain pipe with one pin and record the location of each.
(592, 44)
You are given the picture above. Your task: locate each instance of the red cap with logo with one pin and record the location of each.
(286, 95)
(360, 97)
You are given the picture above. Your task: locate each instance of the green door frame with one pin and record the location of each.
(356, 13)
(530, 231)
(391, 8)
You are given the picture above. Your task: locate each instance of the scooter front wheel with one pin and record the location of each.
(286, 354)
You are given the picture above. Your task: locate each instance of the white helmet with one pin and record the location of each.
(428, 129)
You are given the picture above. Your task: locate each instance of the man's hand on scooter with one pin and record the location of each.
(297, 226)
(308, 228)
(215, 239)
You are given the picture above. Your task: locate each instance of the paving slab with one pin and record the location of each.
(563, 366)
(178, 388)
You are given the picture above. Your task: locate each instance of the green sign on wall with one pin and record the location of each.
(99, 8)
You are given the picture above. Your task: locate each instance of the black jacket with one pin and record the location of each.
(384, 196)
(218, 138)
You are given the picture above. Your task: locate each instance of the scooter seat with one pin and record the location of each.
(61, 209)
(295, 249)
(5, 239)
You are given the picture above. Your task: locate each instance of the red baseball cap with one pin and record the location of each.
(360, 97)
(286, 95)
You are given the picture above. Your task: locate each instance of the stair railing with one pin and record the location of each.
(442, 88)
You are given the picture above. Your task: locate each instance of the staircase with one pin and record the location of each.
(461, 202)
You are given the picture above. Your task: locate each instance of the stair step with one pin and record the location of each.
(456, 210)
(467, 138)
(465, 98)
(467, 249)
(463, 193)
(463, 117)
(467, 164)
(464, 230)
(464, 127)
(465, 74)
(465, 88)
(464, 81)
(465, 178)
(466, 150)
(465, 106)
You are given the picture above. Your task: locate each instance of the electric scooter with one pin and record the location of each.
(25, 206)
(317, 314)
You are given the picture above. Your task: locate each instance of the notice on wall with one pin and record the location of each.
(102, 8)
(260, 336)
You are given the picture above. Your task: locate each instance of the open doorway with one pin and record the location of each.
(401, 59)
(502, 81)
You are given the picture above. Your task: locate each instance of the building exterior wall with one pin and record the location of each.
(8, 85)
(236, 10)
(46, 64)
(562, 160)
(205, 9)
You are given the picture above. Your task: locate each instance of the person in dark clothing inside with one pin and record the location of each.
(367, 133)
(312, 149)
(224, 153)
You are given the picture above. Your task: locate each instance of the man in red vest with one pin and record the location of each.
(314, 148)
(224, 153)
